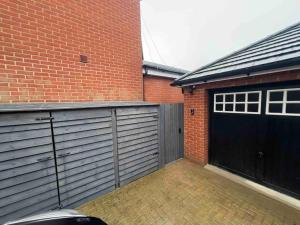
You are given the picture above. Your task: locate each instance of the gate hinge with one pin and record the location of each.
(44, 118)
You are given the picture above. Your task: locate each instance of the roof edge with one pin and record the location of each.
(161, 67)
(286, 65)
(235, 52)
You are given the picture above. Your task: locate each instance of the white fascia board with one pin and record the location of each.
(160, 74)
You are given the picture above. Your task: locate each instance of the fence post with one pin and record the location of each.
(115, 146)
(181, 127)
(161, 136)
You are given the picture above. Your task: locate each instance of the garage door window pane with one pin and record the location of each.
(284, 102)
(275, 108)
(253, 97)
(293, 95)
(219, 98)
(276, 96)
(219, 107)
(240, 107)
(293, 108)
(229, 98)
(253, 108)
(229, 107)
(240, 97)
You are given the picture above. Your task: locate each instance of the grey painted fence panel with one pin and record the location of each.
(81, 127)
(137, 162)
(20, 119)
(138, 136)
(83, 141)
(22, 132)
(30, 143)
(137, 116)
(136, 111)
(27, 152)
(137, 120)
(86, 138)
(136, 157)
(137, 146)
(82, 134)
(137, 141)
(40, 206)
(85, 162)
(80, 121)
(137, 129)
(28, 179)
(16, 163)
(138, 151)
(26, 186)
(24, 135)
(76, 115)
(136, 126)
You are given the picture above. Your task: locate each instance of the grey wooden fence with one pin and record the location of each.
(63, 158)
(138, 144)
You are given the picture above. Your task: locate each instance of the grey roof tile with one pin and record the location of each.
(275, 51)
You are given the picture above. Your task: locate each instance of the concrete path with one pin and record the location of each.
(185, 193)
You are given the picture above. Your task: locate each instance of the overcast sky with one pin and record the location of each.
(191, 33)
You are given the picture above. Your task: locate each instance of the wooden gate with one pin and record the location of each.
(171, 132)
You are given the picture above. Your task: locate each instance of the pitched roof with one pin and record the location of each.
(165, 68)
(278, 50)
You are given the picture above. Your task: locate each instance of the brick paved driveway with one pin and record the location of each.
(185, 193)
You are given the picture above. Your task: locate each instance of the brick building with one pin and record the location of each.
(157, 83)
(242, 112)
(70, 51)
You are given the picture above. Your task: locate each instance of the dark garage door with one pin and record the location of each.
(255, 132)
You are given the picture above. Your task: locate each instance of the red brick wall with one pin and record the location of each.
(41, 41)
(196, 126)
(157, 89)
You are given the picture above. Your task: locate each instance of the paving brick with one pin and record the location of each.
(185, 193)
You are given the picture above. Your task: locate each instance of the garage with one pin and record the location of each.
(254, 132)
(242, 112)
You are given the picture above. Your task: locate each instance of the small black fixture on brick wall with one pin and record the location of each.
(83, 58)
(191, 89)
(192, 112)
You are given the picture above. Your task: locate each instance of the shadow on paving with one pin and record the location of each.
(185, 193)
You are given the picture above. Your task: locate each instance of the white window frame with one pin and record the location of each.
(284, 102)
(234, 102)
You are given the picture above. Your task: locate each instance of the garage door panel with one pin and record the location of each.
(263, 146)
(283, 153)
(232, 147)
